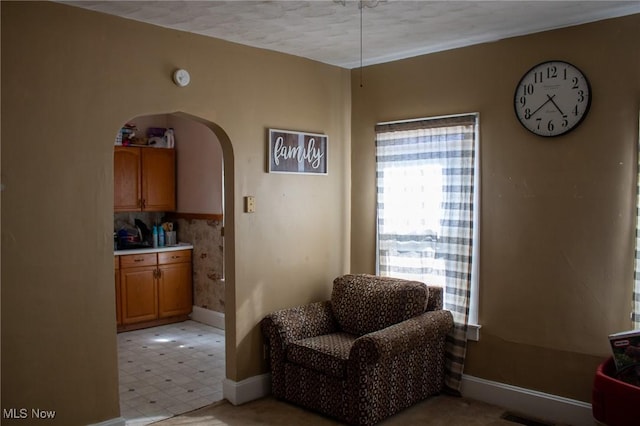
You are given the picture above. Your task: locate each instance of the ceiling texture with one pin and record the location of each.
(329, 31)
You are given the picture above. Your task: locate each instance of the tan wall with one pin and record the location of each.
(557, 215)
(199, 168)
(70, 78)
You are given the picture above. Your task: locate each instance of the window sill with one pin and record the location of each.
(473, 332)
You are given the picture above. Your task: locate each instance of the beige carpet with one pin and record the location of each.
(439, 410)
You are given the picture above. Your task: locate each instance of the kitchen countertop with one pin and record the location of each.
(179, 246)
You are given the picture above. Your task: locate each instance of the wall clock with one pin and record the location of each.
(552, 98)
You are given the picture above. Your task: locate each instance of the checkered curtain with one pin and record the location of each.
(635, 316)
(425, 193)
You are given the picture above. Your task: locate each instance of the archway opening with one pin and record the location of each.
(184, 362)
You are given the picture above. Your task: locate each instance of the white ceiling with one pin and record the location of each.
(329, 31)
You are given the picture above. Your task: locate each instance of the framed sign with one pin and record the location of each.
(297, 152)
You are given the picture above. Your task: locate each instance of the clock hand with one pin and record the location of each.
(540, 107)
(554, 102)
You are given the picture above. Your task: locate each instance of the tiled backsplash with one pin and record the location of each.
(208, 260)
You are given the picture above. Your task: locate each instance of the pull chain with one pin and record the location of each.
(361, 7)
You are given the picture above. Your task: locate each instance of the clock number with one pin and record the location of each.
(527, 113)
(580, 95)
(550, 126)
(537, 77)
(565, 122)
(552, 72)
(523, 101)
(575, 110)
(528, 89)
(574, 80)
(538, 120)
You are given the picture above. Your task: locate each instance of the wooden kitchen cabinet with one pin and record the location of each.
(138, 288)
(155, 289)
(158, 179)
(175, 290)
(127, 186)
(116, 266)
(144, 179)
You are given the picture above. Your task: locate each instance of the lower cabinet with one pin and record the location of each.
(116, 265)
(155, 288)
(175, 291)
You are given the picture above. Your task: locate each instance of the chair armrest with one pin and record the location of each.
(402, 337)
(287, 325)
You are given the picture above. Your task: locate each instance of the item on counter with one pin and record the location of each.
(170, 238)
(128, 234)
(155, 236)
(145, 234)
(160, 236)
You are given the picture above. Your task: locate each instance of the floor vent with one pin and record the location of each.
(527, 421)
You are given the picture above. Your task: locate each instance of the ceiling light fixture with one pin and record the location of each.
(361, 5)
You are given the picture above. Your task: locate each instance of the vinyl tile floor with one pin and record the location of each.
(169, 370)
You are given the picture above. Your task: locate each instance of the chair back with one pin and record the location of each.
(365, 303)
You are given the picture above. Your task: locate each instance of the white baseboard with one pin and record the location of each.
(246, 390)
(536, 404)
(118, 421)
(209, 317)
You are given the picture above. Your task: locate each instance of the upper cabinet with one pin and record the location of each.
(127, 188)
(144, 179)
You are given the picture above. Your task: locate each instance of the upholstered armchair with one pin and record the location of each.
(375, 348)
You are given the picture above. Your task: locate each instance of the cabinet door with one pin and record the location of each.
(126, 179)
(116, 264)
(139, 294)
(175, 289)
(159, 179)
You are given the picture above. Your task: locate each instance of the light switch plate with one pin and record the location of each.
(250, 204)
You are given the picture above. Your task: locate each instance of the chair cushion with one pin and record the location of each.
(327, 353)
(366, 303)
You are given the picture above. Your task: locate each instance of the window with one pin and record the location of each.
(635, 302)
(427, 215)
(427, 211)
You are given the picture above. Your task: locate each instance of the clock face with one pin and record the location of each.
(552, 98)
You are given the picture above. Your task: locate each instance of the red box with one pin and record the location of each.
(614, 402)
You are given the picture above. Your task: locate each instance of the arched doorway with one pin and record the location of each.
(184, 363)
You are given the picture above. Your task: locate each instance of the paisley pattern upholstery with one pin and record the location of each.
(327, 353)
(362, 303)
(364, 377)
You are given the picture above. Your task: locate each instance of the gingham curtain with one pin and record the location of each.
(635, 316)
(425, 193)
